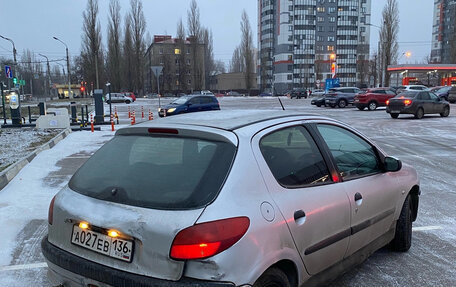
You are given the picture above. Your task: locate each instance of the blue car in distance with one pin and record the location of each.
(190, 104)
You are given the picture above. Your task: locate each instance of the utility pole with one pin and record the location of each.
(49, 75)
(68, 67)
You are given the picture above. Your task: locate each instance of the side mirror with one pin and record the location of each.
(392, 164)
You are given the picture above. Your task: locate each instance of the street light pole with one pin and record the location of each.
(49, 76)
(14, 54)
(68, 67)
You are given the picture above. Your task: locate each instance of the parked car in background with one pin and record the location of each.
(411, 88)
(234, 94)
(118, 98)
(417, 103)
(441, 91)
(317, 93)
(190, 104)
(341, 97)
(131, 95)
(298, 94)
(373, 98)
(452, 95)
(265, 94)
(318, 101)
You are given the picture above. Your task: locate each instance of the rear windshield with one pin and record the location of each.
(407, 95)
(160, 172)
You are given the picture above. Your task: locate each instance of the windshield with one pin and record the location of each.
(180, 101)
(161, 172)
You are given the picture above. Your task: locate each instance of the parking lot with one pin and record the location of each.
(428, 144)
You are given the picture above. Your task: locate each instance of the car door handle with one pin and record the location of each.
(299, 214)
(358, 199)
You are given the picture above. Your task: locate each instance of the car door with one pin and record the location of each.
(194, 105)
(314, 207)
(437, 105)
(427, 103)
(206, 103)
(372, 193)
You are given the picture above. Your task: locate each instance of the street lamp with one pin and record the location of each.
(108, 84)
(49, 75)
(68, 67)
(378, 52)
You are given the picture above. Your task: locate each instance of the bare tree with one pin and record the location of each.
(91, 41)
(219, 67)
(138, 28)
(246, 50)
(114, 49)
(127, 63)
(373, 69)
(182, 66)
(388, 37)
(208, 55)
(194, 31)
(236, 63)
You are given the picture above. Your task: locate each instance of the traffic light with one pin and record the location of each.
(15, 81)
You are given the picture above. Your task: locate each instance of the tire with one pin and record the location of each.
(394, 116)
(361, 108)
(372, 106)
(403, 236)
(446, 112)
(419, 113)
(127, 102)
(273, 277)
(342, 104)
(318, 105)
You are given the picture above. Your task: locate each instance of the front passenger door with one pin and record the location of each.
(372, 193)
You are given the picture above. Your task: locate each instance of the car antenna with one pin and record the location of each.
(280, 101)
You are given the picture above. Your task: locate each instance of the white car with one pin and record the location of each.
(118, 98)
(412, 88)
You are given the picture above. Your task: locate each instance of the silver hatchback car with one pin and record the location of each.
(226, 198)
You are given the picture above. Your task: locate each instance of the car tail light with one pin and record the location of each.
(387, 102)
(208, 239)
(407, 102)
(51, 211)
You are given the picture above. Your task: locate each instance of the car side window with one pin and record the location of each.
(424, 96)
(293, 157)
(194, 101)
(433, 96)
(353, 156)
(206, 100)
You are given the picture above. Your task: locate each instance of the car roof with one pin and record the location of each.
(230, 119)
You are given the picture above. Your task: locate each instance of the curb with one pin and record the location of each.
(8, 174)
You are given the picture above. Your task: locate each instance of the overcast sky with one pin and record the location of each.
(35, 22)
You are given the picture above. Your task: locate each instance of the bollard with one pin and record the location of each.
(112, 122)
(134, 117)
(115, 112)
(151, 116)
(82, 117)
(164, 112)
(91, 122)
(129, 113)
(142, 112)
(132, 121)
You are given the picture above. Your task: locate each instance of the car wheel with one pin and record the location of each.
(127, 101)
(273, 277)
(403, 236)
(318, 105)
(342, 104)
(446, 112)
(419, 113)
(361, 108)
(372, 106)
(394, 116)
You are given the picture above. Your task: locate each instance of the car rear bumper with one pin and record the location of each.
(71, 270)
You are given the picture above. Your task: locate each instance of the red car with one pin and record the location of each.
(373, 98)
(131, 95)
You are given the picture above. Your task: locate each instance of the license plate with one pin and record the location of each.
(394, 112)
(114, 247)
(356, 101)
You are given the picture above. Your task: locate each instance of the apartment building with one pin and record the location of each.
(443, 32)
(304, 42)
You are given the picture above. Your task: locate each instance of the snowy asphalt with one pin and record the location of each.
(428, 144)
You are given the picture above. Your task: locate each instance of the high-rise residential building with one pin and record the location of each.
(444, 32)
(304, 42)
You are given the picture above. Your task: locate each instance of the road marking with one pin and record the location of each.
(23, 266)
(427, 228)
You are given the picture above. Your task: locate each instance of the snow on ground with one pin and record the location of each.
(17, 143)
(27, 196)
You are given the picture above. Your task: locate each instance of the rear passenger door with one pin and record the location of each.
(194, 105)
(316, 210)
(206, 103)
(428, 104)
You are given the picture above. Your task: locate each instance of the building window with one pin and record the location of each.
(177, 51)
(290, 57)
(290, 28)
(177, 61)
(321, 28)
(188, 51)
(289, 77)
(290, 8)
(321, 9)
(290, 67)
(320, 19)
(161, 61)
(332, 19)
(160, 51)
(332, 28)
(330, 38)
(189, 82)
(332, 9)
(187, 61)
(320, 38)
(330, 48)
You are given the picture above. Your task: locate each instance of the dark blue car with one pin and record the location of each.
(190, 104)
